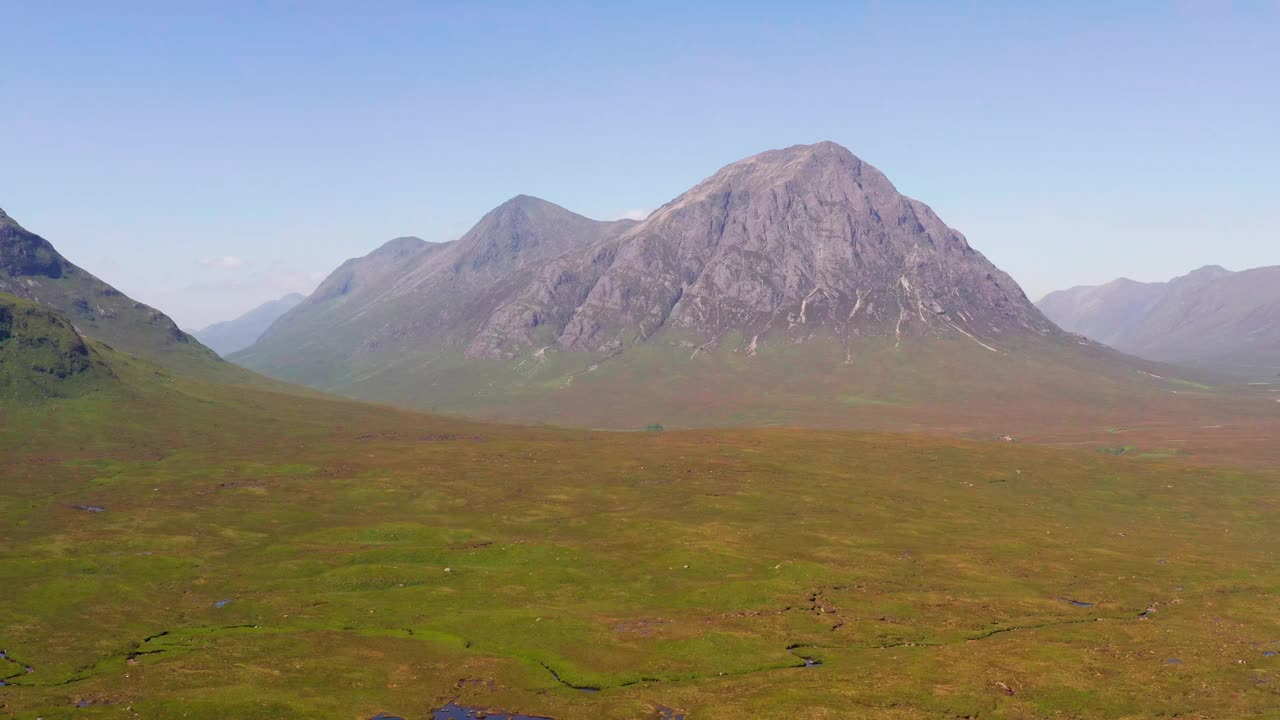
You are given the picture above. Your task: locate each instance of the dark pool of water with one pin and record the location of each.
(90, 508)
(1269, 653)
(457, 712)
(1077, 603)
(1173, 661)
(222, 603)
(666, 713)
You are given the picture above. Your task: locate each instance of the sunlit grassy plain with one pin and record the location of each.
(382, 561)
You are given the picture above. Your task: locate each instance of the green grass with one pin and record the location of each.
(379, 560)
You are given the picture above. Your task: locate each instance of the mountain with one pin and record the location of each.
(31, 268)
(227, 337)
(797, 285)
(410, 294)
(1212, 318)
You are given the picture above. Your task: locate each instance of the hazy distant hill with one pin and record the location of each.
(1212, 318)
(232, 335)
(796, 285)
(31, 268)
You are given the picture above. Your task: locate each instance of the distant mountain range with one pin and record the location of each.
(232, 335)
(1212, 318)
(797, 285)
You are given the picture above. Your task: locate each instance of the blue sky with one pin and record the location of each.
(206, 157)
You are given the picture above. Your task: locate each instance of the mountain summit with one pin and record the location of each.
(793, 285)
(784, 242)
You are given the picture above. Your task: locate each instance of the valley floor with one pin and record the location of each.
(212, 553)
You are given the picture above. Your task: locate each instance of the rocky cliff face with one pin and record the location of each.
(785, 242)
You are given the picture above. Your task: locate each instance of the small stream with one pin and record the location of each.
(808, 660)
(6, 658)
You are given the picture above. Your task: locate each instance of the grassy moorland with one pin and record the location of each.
(170, 549)
(1040, 391)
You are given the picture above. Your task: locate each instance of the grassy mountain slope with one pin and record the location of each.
(31, 268)
(42, 355)
(261, 555)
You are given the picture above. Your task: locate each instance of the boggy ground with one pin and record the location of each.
(261, 555)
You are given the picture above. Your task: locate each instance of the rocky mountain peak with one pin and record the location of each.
(823, 165)
(805, 243)
(521, 230)
(400, 247)
(789, 241)
(519, 234)
(1208, 272)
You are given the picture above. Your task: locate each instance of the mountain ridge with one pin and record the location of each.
(1211, 318)
(795, 285)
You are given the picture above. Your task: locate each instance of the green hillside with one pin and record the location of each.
(31, 268)
(43, 356)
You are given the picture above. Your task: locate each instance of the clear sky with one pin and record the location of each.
(206, 157)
